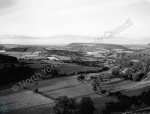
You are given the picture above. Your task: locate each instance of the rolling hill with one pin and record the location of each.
(8, 46)
(27, 49)
(70, 47)
(94, 46)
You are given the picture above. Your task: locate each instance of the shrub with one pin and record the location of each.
(86, 106)
(116, 71)
(135, 76)
(65, 105)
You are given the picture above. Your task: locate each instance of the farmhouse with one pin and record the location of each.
(135, 61)
(52, 58)
(124, 71)
(128, 51)
(36, 52)
(118, 50)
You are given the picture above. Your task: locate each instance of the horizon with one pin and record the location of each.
(71, 43)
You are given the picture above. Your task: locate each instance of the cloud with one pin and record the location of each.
(6, 3)
(12, 37)
(71, 20)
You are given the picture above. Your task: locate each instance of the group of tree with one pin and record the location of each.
(65, 105)
(74, 57)
(58, 73)
(132, 66)
(127, 103)
(7, 59)
(82, 61)
(11, 73)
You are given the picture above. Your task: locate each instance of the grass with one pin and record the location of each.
(17, 54)
(70, 68)
(35, 64)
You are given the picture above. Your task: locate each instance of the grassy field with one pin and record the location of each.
(70, 87)
(35, 64)
(70, 68)
(26, 55)
(17, 54)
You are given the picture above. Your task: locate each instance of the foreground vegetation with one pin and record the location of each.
(132, 66)
(7, 59)
(12, 70)
(130, 104)
(127, 103)
(65, 105)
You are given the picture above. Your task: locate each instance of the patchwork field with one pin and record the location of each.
(35, 64)
(18, 54)
(69, 86)
(25, 101)
(20, 101)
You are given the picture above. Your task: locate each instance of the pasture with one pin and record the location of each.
(70, 68)
(18, 54)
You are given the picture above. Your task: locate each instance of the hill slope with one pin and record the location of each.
(94, 46)
(27, 49)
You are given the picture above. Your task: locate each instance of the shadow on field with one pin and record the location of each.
(39, 109)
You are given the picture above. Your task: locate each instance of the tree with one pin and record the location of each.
(135, 76)
(86, 106)
(65, 105)
(116, 71)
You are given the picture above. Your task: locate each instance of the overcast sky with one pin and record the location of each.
(67, 21)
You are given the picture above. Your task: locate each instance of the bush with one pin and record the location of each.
(126, 103)
(86, 106)
(135, 76)
(7, 59)
(65, 105)
(116, 71)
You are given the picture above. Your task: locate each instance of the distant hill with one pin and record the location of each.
(70, 47)
(94, 46)
(27, 49)
(8, 46)
(136, 46)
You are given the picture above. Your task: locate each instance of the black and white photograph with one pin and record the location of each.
(74, 56)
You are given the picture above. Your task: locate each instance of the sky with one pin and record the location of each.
(69, 21)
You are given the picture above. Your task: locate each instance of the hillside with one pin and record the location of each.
(27, 49)
(8, 46)
(7, 59)
(94, 46)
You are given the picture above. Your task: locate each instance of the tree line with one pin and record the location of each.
(132, 66)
